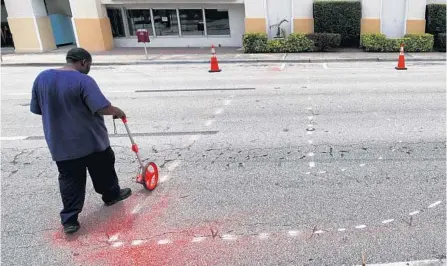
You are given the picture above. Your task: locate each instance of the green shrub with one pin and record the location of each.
(440, 43)
(342, 17)
(324, 41)
(435, 18)
(275, 46)
(378, 42)
(297, 42)
(255, 42)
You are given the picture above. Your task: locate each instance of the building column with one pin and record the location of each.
(92, 27)
(416, 17)
(302, 15)
(30, 26)
(370, 22)
(255, 16)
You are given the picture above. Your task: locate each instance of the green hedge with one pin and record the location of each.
(378, 42)
(255, 42)
(342, 17)
(441, 42)
(435, 18)
(259, 43)
(324, 41)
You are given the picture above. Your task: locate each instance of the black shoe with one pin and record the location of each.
(71, 228)
(124, 194)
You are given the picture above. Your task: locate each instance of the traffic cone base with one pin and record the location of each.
(402, 68)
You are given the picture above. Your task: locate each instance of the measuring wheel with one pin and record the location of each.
(150, 176)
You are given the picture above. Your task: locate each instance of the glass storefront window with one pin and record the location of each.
(165, 21)
(139, 19)
(191, 21)
(116, 22)
(217, 22)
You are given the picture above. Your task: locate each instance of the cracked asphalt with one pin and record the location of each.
(302, 166)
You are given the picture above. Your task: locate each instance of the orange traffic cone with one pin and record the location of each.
(401, 63)
(214, 64)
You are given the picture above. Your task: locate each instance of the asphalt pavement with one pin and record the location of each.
(260, 164)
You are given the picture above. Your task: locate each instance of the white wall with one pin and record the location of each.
(255, 8)
(237, 29)
(277, 11)
(416, 9)
(25, 8)
(371, 8)
(303, 8)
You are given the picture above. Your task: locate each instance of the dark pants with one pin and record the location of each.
(73, 178)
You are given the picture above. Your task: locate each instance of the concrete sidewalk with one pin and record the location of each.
(133, 56)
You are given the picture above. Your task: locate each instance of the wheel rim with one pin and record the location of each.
(151, 176)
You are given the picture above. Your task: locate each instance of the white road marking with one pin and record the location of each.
(164, 178)
(309, 108)
(18, 93)
(319, 232)
(283, 66)
(361, 165)
(414, 213)
(360, 226)
(388, 221)
(310, 141)
(324, 65)
(14, 138)
(307, 173)
(312, 164)
(322, 172)
(194, 138)
(309, 132)
(433, 262)
(343, 169)
(174, 165)
(164, 242)
(117, 244)
(263, 235)
(341, 229)
(293, 233)
(198, 239)
(434, 204)
(227, 102)
(310, 118)
(209, 122)
(311, 154)
(380, 158)
(228, 237)
(137, 208)
(137, 242)
(218, 111)
(113, 238)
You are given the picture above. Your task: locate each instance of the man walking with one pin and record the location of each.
(72, 108)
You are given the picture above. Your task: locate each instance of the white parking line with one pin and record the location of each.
(14, 138)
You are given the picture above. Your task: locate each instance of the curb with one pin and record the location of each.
(232, 61)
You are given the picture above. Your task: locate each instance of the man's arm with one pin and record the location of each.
(34, 105)
(97, 102)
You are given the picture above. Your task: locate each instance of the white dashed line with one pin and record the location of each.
(263, 235)
(311, 154)
(113, 238)
(218, 111)
(137, 208)
(324, 65)
(228, 237)
(312, 164)
(319, 232)
(117, 244)
(309, 132)
(137, 242)
(307, 173)
(283, 66)
(343, 169)
(14, 138)
(434, 204)
(388, 221)
(341, 229)
(322, 172)
(360, 226)
(209, 122)
(361, 165)
(164, 242)
(174, 165)
(414, 213)
(293, 233)
(309, 108)
(198, 239)
(380, 158)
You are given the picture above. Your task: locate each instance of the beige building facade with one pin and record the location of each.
(100, 25)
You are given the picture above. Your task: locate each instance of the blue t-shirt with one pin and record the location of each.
(68, 102)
